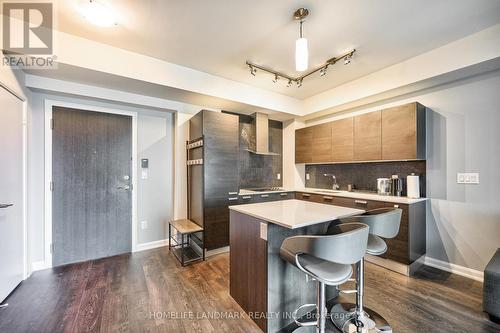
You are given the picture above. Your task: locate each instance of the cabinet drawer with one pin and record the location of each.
(357, 203)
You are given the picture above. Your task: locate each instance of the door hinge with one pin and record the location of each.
(52, 123)
(51, 186)
(51, 248)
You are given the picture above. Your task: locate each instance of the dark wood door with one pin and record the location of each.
(91, 172)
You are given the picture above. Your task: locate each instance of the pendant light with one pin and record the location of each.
(301, 58)
(301, 49)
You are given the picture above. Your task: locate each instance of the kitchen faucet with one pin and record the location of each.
(335, 186)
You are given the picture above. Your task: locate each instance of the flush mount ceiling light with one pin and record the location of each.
(98, 14)
(301, 57)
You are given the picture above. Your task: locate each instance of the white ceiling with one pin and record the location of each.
(218, 36)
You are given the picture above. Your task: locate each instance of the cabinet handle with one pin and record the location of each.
(361, 202)
(283, 194)
(232, 199)
(264, 195)
(396, 206)
(246, 197)
(6, 205)
(305, 195)
(232, 193)
(327, 198)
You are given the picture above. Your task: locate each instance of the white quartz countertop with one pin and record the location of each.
(294, 214)
(361, 195)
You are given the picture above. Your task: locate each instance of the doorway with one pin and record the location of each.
(92, 184)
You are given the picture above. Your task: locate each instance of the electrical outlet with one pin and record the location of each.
(144, 225)
(467, 178)
(307, 176)
(278, 176)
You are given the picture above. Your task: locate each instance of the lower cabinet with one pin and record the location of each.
(264, 197)
(408, 245)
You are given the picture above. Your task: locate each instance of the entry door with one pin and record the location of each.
(91, 174)
(11, 192)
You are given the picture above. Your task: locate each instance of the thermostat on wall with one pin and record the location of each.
(144, 163)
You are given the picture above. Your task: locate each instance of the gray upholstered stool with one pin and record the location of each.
(491, 288)
(383, 223)
(327, 259)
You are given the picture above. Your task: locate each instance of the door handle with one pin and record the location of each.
(124, 187)
(6, 205)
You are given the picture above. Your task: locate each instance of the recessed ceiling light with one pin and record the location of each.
(98, 14)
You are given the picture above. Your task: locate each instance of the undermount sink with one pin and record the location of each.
(327, 191)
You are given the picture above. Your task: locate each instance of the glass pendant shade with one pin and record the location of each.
(301, 55)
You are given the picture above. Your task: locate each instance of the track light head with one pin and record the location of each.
(322, 71)
(289, 83)
(299, 83)
(253, 70)
(276, 78)
(347, 60)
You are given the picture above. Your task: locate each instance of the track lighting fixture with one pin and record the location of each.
(301, 57)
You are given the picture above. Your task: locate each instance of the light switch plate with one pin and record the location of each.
(144, 225)
(467, 178)
(278, 176)
(263, 231)
(307, 176)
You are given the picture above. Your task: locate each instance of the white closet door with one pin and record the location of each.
(11, 192)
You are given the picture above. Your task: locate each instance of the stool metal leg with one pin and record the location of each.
(356, 318)
(321, 308)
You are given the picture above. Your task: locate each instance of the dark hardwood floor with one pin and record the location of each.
(149, 292)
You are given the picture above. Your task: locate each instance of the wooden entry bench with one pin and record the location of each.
(181, 244)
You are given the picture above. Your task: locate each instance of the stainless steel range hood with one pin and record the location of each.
(261, 128)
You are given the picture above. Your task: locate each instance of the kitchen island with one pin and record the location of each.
(264, 285)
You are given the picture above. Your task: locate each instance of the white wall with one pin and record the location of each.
(155, 202)
(463, 221)
(155, 195)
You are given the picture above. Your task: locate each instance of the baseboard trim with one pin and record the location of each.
(151, 245)
(38, 266)
(455, 269)
(214, 252)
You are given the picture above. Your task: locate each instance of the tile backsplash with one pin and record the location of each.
(260, 170)
(363, 176)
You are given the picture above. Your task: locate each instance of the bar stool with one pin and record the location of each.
(348, 317)
(327, 259)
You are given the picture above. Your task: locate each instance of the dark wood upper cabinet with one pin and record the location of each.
(368, 136)
(396, 133)
(303, 145)
(403, 132)
(343, 140)
(322, 143)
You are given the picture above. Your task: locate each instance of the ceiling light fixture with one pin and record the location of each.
(301, 50)
(98, 14)
(301, 58)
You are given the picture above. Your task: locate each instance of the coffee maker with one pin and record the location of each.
(396, 185)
